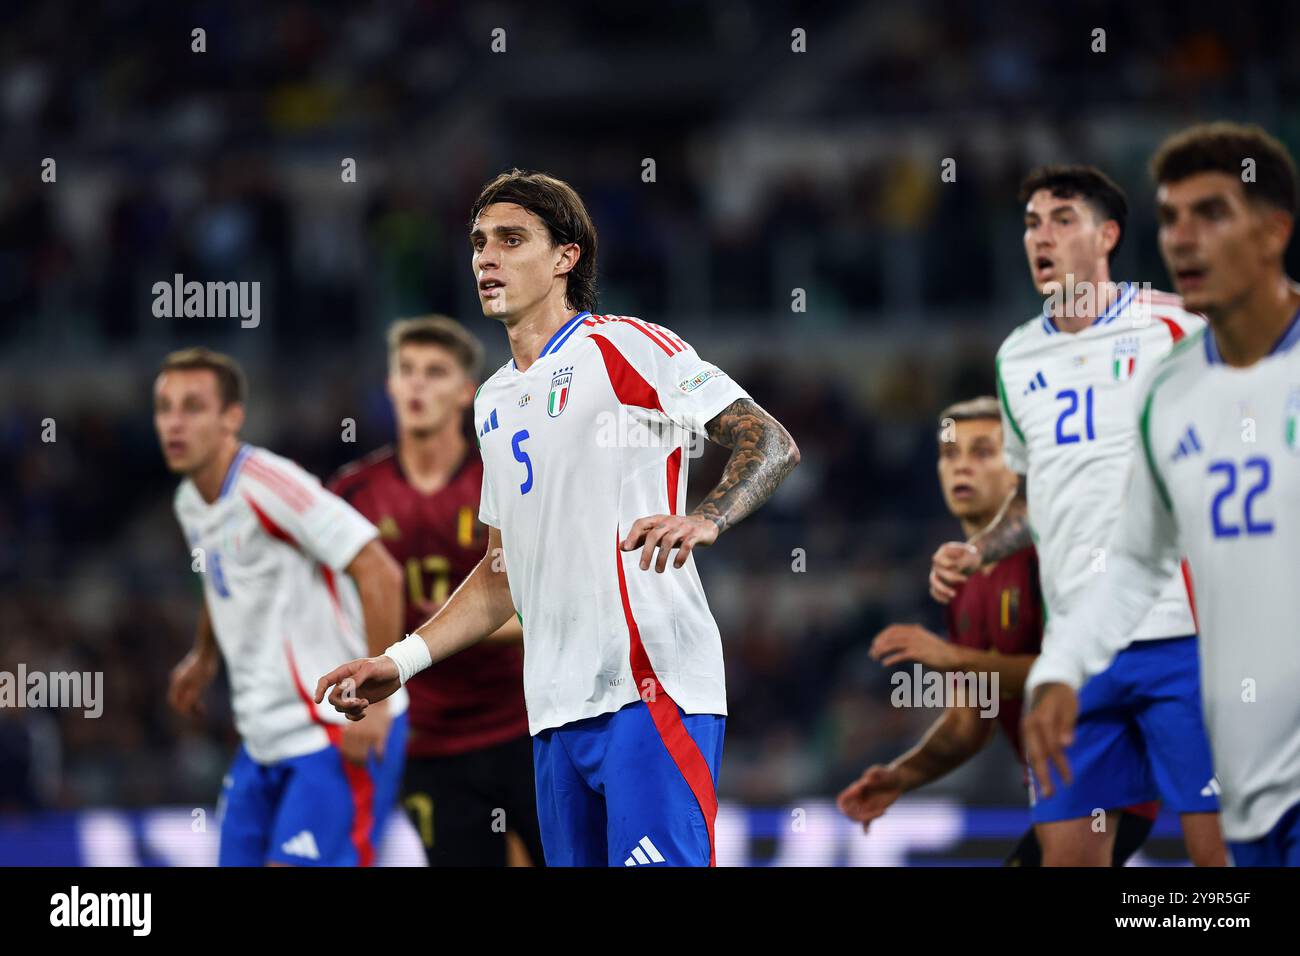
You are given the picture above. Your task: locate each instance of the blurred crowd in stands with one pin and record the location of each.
(772, 173)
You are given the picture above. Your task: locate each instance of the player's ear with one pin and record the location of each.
(1279, 225)
(570, 253)
(234, 417)
(1109, 236)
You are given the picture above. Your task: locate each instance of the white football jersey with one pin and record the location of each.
(590, 438)
(1069, 413)
(274, 546)
(1217, 479)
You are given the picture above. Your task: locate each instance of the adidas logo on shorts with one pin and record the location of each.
(304, 845)
(643, 853)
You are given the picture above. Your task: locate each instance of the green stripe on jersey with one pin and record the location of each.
(1144, 426)
(1164, 370)
(1006, 406)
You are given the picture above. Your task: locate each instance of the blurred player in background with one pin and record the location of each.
(994, 625)
(1216, 476)
(469, 759)
(583, 436)
(1068, 380)
(279, 556)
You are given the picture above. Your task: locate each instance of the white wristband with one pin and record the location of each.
(411, 655)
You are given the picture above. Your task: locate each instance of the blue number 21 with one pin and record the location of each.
(1229, 470)
(521, 456)
(1072, 397)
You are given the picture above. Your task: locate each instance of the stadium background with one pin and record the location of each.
(774, 171)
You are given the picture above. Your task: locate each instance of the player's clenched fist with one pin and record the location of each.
(950, 566)
(870, 795)
(1048, 728)
(666, 532)
(358, 684)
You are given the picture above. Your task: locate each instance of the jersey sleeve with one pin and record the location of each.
(689, 390)
(292, 505)
(1013, 439)
(487, 499)
(1142, 548)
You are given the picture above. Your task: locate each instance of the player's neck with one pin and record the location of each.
(209, 478)
(429, 459)
(1074, 311)
(531, 330)
(1247, 331)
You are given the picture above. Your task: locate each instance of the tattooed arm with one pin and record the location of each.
(1006, 534)
(762, 454)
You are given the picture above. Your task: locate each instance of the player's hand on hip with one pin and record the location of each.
(1048, 728)
(357, 684)
(950, 566)
(868, 797)
(666, 532)
(189, 679)
(363, 736)
(900, 643)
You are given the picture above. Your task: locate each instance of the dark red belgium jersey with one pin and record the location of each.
(1001, 611)
(473, 699)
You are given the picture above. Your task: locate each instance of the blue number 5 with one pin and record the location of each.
(522, 456)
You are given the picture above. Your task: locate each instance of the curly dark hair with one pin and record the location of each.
(1222, 148)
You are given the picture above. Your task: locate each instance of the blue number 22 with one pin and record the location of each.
(1228, 469)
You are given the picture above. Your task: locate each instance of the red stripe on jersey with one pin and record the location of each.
(269, 525)
(629, 386)
(1165, 297)
(291, 486)
(360, 784)
(663, 711)
(674, 472)
(293, 493)
(670, 336)
(1175, 330)
(1191, 593)
(668, 349)
(327, 573)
